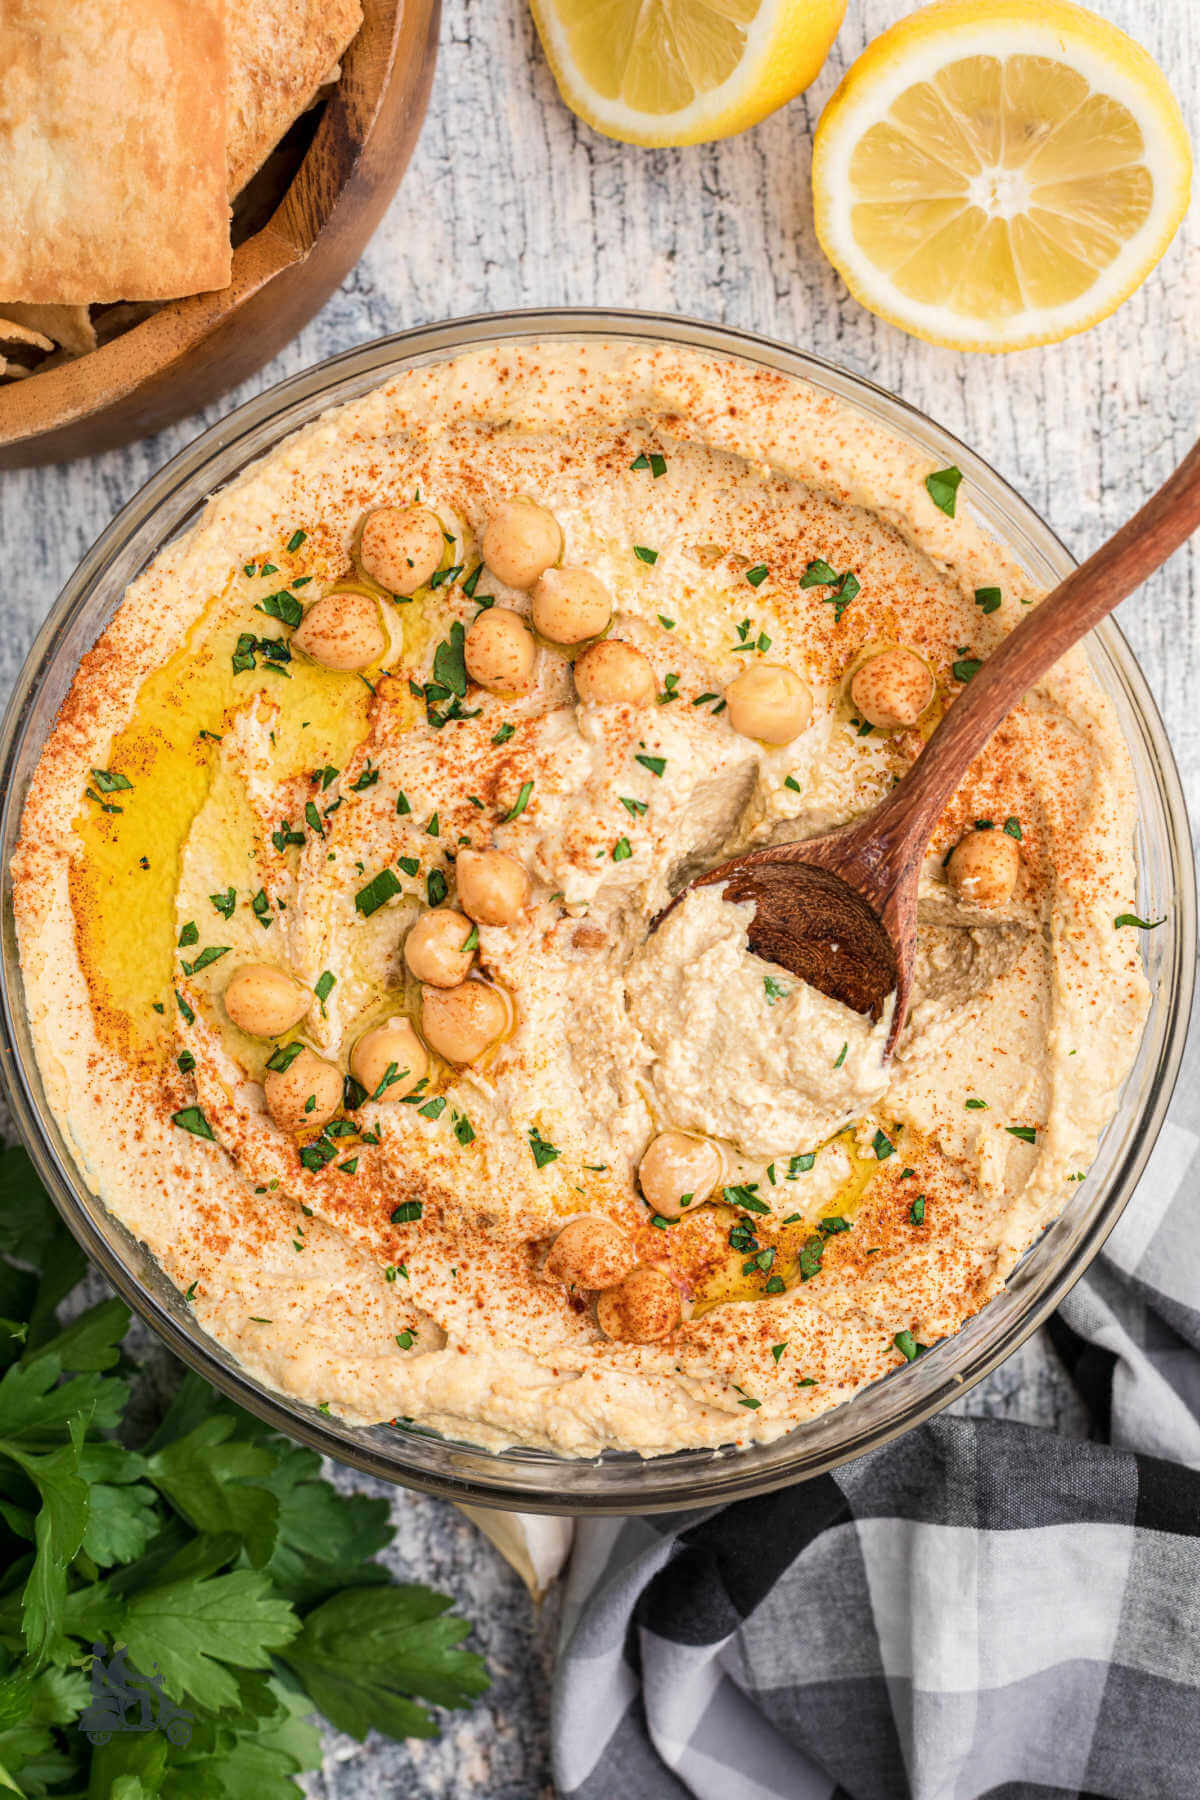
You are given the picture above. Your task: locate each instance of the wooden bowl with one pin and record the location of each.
(352, 149)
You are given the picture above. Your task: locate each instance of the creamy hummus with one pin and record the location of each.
(212, 798)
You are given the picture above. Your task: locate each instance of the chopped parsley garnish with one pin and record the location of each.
(189, 935)
(775, 990)
(449, 660)
(273, 651)
(1026, 1133)
(225, 902)
(312, 818)
(435, 887)
(644, 555)
(283, 1058)
(1012, 827)
(434, 827)
(433, 1109)
(974, 1105)
(634, 807)
(832, 1225)
(188, 1015)
(505, 732)
(757, 575)
(402, 805)
(261, 908)
(846, 587)
(366, 779)
(111, 781)
(667, 624)
(541, 1151)
(622, 850)
(966, 668)
(841, 1056)
(777, 1350)
(800, 1165)
(282, 606)
(522, 801)
(745, 1195)
(314, 1157)
(811, 1252)
(405, 1339)
(295, 541)
(407, 1212)
(789, 781)
(464, 1131)
(285, 836)
(942, 488)
(471, 941)
(192, 1119)
(819, 573)
(349, 1168)
(656, 464)
(211, 954)
(472, 581)
(377, 892)
(916, 1211)
(655, 764)
(410, 864)
(882, 1145)
(988, 599)
(908, 1346)
(745, 1399)
(1142, 924)
(185, 1062)
(446, 577)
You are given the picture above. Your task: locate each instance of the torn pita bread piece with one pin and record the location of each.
(13, 333)
(280, 53)
(112, 155)
(70, 327)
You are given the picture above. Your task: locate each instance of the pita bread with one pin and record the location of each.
(112, 155)
(13, 333)
(70, 327)
(280, 53)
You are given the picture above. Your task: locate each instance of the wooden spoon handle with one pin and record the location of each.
(1088, 595)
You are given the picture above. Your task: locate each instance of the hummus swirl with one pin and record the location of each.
(214, 799)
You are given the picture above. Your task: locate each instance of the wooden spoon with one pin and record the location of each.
(840, 911)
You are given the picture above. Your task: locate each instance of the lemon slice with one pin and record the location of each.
(997, 173)
(683, 71)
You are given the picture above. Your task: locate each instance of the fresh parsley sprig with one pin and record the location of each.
(212, 1549)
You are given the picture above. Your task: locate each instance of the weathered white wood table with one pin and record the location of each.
(509, 202)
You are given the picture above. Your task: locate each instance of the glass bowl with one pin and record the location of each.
(615, 1482)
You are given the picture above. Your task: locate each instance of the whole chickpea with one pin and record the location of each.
(614, 674)
(401, 547)
(462, 1022)
(435, 949)
(589, 1253)
(769, 702)
(892, 689)
(391, 1046)
(520, 540)
(983, 867)
(306, 1094)
(264, 1002)
(492, 886)
(675, 1165)
(499, 651)
(641, 1308)
(342, 631)
(571, 605)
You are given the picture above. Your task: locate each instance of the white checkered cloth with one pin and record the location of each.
(980, 1609)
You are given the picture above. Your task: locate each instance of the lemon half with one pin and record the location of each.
(683, 71)
(992, 174)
